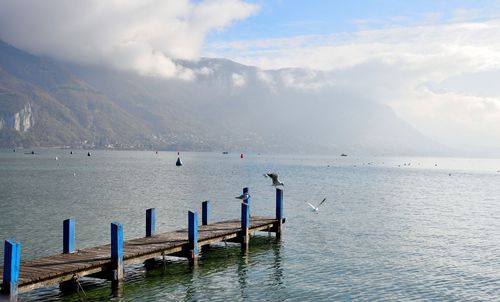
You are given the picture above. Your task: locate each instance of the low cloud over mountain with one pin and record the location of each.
(225, 106)
(141, 35)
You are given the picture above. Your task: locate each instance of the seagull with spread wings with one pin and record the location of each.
(316, 208)
(274, 177)
(244, 197)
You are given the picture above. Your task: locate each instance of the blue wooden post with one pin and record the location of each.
(279, 204)
(150, 222)
(279, 211)
(193, 233)
(205, 212)
(11, 267)
(245, 223)
(117, 249)
(69, 236)
(245, 216)
(246, 191)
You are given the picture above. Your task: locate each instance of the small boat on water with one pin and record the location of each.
(178, 163)
(225, 152)
(343, 154)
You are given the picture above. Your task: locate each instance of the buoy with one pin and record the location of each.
(156, 152)
(241, 155)
(14, 150)
(88, 153)
(70, 152)
(178, 163)
(56, 158)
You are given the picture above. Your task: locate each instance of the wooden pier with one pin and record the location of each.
(107, 261)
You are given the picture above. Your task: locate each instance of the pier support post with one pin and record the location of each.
(70, 286)
(117, 250)
(279, 212)
(11, 266)
(193, 235)
(69, 236)
(246, 191)
(205, 212)
(117, 288)
(150, 231)
(245, 224)
(205, 219)
(150, 222)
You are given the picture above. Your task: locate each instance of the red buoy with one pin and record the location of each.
(241, 155)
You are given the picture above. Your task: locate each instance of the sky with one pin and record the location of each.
(435, 63)
(288, 18)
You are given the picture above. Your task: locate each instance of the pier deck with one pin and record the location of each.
(108, 261)
(59, 268)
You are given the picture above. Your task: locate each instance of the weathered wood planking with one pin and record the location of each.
(63, 267)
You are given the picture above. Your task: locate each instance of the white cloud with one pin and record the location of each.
(238, 80)
(465, 121)
(141, 35)
(403, 67)
(476, 43)
(205, 71)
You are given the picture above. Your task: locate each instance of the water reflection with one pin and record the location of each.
(242, 272)
(277, 267)
(191, 287)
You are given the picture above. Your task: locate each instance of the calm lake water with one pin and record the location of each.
(413, 232)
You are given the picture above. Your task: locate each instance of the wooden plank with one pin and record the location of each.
(56, 280)
(61, 267)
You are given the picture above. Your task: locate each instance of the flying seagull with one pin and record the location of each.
(316, 208)
(274, 177)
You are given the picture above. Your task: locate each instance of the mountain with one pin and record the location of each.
(63, 110)
(224, 106)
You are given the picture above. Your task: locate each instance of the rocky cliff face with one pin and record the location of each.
(21, 120)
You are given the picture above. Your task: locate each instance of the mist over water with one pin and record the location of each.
(424, 231)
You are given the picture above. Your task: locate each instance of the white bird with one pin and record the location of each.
(316, 208)
(274, 177)
(243, 197)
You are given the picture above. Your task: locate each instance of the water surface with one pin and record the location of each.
(388, 231)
